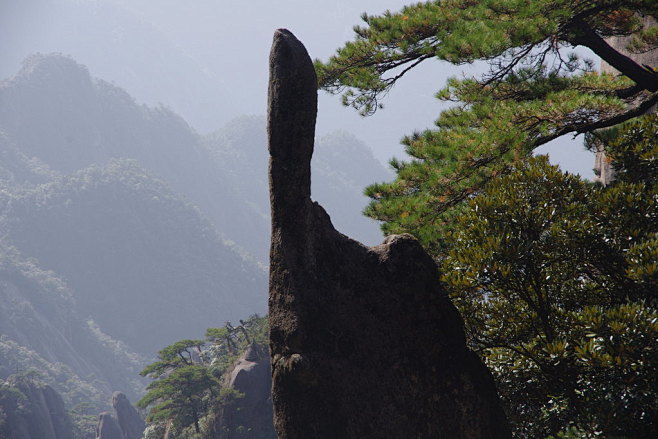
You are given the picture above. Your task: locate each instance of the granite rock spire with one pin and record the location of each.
(364, 342)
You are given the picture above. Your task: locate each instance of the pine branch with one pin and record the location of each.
(587, 37)
(580, 128)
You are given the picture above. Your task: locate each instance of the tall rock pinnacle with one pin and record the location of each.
(364, 342)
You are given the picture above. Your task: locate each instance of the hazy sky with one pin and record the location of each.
(207, 59)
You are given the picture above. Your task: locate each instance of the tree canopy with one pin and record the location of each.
(546, 269)
(534, 92)
(556, 277)
(187, 391)
(182, 385)
(513, 35)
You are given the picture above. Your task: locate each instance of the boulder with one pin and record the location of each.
(250, 416)
(40, 415)
(108, 427)
(132, 425)
(124, 423)
(364, 341)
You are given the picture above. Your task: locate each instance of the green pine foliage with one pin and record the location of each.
(510, 34)
(556, 277)
(180, 354)
(534, 92)
(187, 392)
(227, 343)
(182, 396)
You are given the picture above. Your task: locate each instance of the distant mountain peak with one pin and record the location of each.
(52, 68)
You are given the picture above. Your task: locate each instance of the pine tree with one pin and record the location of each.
(182, 386)
(534, 92)
(556, 277)
(187, 396)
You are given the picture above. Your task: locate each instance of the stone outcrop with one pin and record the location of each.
(364, 342)
(108, 427)
(132, 425)
(250, 417)
(124, 423)
(41, 414)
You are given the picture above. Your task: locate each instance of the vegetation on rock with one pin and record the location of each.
(555, 277)
(188, 392)
(31, 409)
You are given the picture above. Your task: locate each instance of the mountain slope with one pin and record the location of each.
(122, 46)
(55, 112)
(142, 262)
(42, 330)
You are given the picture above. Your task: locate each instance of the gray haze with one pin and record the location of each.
(207, 60)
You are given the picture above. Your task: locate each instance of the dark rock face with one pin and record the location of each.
(108, 427)
(251, 416)
(42, 415)
(132, 425)
(364, 342)
(124, 423)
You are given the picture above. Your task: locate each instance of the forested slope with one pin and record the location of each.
(122, 229)
(144, 263)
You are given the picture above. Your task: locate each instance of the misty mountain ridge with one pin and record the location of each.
(41, 330)
(136, 255)
(83, 121)
(18, 169)
(123, 230)
(144, 61)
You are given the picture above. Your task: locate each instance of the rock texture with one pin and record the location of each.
(124, 423)
(251, 415)
(132, 425)
(364, 342)
(108, 427)
(41, 415)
